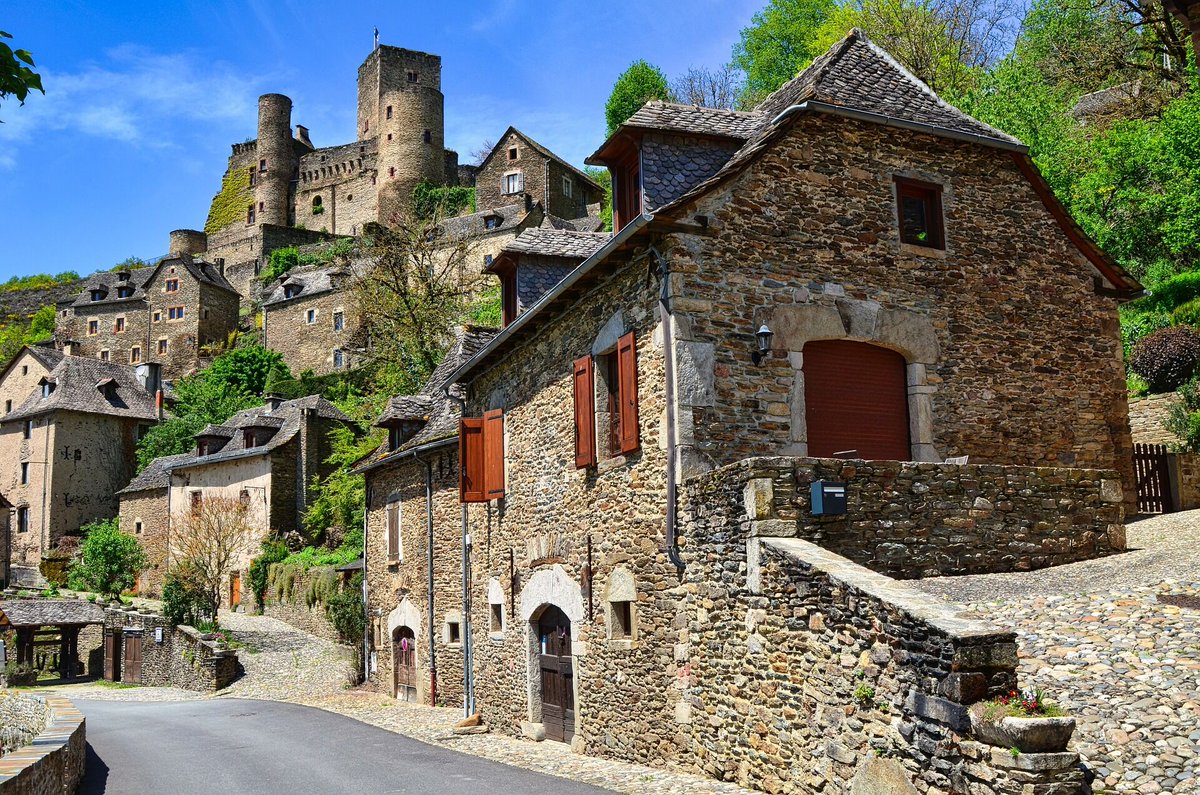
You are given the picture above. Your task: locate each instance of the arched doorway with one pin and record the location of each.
(404, 663)
(557, 678)
(856, 398)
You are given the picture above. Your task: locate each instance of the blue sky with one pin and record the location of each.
(143, 99)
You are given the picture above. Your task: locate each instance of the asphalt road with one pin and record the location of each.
(240, 745)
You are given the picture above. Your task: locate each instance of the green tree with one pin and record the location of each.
(340, 498)
(604, 178)
(246, 369)
(17, 79)
(636, 86)
(780, 41)
(109, 560)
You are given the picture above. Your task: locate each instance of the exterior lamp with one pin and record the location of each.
(763, 335)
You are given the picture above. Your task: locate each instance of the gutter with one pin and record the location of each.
(615, 242)
(366, 600)
(664, 312)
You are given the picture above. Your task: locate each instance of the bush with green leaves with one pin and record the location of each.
(442, 201)
(260, 567)
(185, 600)
(345, 611)
(109, 560)
(1167, 358)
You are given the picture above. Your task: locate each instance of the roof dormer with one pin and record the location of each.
(292, 289)
(107, 387)
(98, 294)
(48, 384)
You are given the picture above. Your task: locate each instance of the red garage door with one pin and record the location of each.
(855, 398)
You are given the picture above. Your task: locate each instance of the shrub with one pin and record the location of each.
(1186, 314)
(1136, 326)
(109, 561)
(1167, 358)
(184, 597)
(1170, 293)
(20, 674)
(1184, 419)
(260, 567)
(345, 611)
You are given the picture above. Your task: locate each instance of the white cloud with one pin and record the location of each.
(500, 13)
(135, 96)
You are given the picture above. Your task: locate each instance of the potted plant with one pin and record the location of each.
(1024, 720)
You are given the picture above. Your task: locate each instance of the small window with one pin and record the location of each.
(22, 520)
(339, 321)
(389, 111)
(250, 214)
(253, 177)
(389, 136)
(391, 171)
(453, 632)
(622, 620)
(97, 295)
(244, 497)
(249, 439)
(24, 472)
(491, 222)
(920, 212)
(412, 77)
(172, 285)
(93, 328)
(513, 183)
(24, 369)
(339, 359)
(310, 316)
(27, 429)
(202, 447)
(162, 346)
(497, 616)
(512, 153)
(175, 313)
(318, 205)
(157, 317)
(428, 137)
(104, 356)
(568, 187)
(47, 389)
(7, 406)
(124, 292)
(487, 260)
(197, 502)
(135, 354)
(119, 325)
(137, 525)
(262, 164)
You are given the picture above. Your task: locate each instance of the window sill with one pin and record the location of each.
(622, 644)
(496, 637)
(922, 251)
(609, 464)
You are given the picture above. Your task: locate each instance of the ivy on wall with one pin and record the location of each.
(230, 203)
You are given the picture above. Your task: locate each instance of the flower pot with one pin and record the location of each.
(1036, 734)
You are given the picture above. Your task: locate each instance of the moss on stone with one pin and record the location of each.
(230, 203)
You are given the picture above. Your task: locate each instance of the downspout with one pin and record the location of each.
(366, 638)
(468, 678)
(429, 555)
(45, 484)
(664, 314)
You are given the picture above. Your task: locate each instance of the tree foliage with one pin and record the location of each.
(442, 201)
(340, 498)
(15, 335)
(1166, 358)
(636, 86)
(780, 41)
(109, 561)
(709, 88)
(209, 541)
(17, 77)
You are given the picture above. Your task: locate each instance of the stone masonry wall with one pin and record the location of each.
(295, 609)
(910, 520)
(149, 508)
(183, 658)
(490, 182)
(310, 346)
(1146, 418)
(398, 589)
(54, 762)
(808, 673)
(1013, 357)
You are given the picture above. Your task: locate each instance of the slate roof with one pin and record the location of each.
(557, 243)
(544, 152)
(76, 381)
(589, 223)
(510, 216)
(110, 281)
(49, 357)
(1106, 100)
(286, 417)
(674, 117)
(311, 279)
(42, 612)
(442, 413)
(156, 475)
(406, 408)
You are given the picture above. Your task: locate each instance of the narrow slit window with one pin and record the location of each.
(919, 206)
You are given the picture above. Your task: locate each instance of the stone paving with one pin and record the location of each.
(1098, 639)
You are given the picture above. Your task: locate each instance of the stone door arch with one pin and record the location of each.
(552, 597)
(404, 630)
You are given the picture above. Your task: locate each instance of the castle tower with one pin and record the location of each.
(276, 160)
(400, 104)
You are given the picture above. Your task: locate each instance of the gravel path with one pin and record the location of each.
(1103, 639)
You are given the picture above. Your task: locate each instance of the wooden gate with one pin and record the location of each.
(404, 659)
(1153, 478)
(112, 654)
(557, 675)
(132, 672)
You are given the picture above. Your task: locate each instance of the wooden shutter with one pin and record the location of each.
(470, 459)
(628, 392)
(393, 529)
(493, 453)
(856, 398)
(585, 413)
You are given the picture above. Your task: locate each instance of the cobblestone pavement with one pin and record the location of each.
(1099, 639)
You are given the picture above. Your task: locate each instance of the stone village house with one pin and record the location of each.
(67, 441)
(266, 458)
(656, 567)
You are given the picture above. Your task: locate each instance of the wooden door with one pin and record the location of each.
(112, 654)
(557, 675)
(1153, 479)
(856, 398)
(235, 590)
(404, 660)
(132, 662)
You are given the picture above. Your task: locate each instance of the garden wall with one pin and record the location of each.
(297, 597)
(54, 762)
(178, 657)
(910, 520)
(806, 672)
(1146, 418)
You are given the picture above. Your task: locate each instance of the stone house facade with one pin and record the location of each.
(144, 512)
(519, 166)
(264, 459)
(169, 314)
(310, 317)
(860, 270)
(67, 446)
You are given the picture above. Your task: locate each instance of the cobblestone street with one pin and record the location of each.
(1097, 637)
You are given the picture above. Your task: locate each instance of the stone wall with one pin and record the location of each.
(490, 179)
(293, 608)
(344, 179)
(910, 520)
(143, 514)
(54, 763)
(1146, 418)
(175, 656)
(310, 345)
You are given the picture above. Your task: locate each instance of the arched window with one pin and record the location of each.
(856, 399)
(318, 206)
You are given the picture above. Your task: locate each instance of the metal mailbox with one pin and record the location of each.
(828, 499)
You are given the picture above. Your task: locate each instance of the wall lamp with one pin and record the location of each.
(763, 336)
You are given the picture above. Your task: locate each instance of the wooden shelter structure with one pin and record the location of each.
(42, 623)
(1188, 12)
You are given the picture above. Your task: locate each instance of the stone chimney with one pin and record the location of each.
(273, 400)
(302, 136)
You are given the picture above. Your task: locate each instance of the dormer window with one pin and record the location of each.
(491, 222)
(291, 290)
(123, 276)
(124, 292)
(107, 386)
(202, 447)
(47, 387)
(394, 436)
(98, 295)
(249, 439)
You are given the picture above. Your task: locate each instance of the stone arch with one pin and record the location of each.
(909, 333)
(404, 614)
(547, 586)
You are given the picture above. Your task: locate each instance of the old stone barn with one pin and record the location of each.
(841, 340)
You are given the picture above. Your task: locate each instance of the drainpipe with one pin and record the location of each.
(366, 638)
(468, 678)
(664, 314)
(46, 470)
(429, 555)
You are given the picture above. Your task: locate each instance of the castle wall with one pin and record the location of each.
(276, 160)
(344, 178)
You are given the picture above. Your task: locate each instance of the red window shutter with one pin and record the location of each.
(470, 460)
(628, 386)
(393, 530)
(585, 413)
(493, 453)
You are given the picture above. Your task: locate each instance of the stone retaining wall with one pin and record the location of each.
(294, 610)
(178, 657)
(807, 672)
(910, 520)
(54, 762)
(1146, 418)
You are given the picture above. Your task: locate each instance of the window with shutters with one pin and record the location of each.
(585, 412)
(513, 183)
(919, 207)
(392, 519)
(614, 417)
(481, 457)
